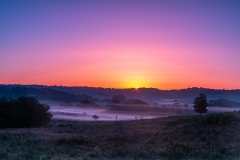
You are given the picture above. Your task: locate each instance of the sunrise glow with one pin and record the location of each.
(121, 44)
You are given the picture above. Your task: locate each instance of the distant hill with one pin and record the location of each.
(77, 94)
(223, 103)
(42, 93)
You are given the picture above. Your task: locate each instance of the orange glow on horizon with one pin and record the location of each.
(121, 44)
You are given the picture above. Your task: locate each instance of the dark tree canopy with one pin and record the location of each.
(200, 104)
(23, 112)
(95, 117)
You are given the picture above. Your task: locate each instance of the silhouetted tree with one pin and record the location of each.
(200, 104)
(23, 112)
(95, 117)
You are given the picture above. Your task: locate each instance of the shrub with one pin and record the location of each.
(95, 117)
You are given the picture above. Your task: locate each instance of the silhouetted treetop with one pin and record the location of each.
(200, 104)
(23, 112)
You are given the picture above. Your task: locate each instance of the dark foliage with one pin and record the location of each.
(115, 101)
(119, 98)
(95, 117)
(85, 101)
(23, 112)
(138, 101)
(135, 102)
(200, 103)
(223, 103)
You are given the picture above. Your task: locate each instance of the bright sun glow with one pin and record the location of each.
(134, 81)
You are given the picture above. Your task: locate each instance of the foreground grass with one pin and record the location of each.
(215, 136)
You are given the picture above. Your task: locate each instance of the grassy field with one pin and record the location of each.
(213, 136)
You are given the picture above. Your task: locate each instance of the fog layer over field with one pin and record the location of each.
(122, 104)
(162, 108)
(77, 113)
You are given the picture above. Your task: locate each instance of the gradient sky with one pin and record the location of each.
(165, 44)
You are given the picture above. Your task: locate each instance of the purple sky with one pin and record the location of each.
(129, 43)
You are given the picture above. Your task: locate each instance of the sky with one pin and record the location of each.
(165, 44)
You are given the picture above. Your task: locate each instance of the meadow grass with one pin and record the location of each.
(213, 136)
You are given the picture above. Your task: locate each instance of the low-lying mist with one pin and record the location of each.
(82, 103)
(127, 112)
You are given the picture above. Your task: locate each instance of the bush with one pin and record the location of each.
(23, 112)
(95, 117)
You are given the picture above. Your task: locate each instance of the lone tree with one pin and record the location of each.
(200, 104)
(95, 117)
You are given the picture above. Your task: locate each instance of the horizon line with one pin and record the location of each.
(72, 86)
